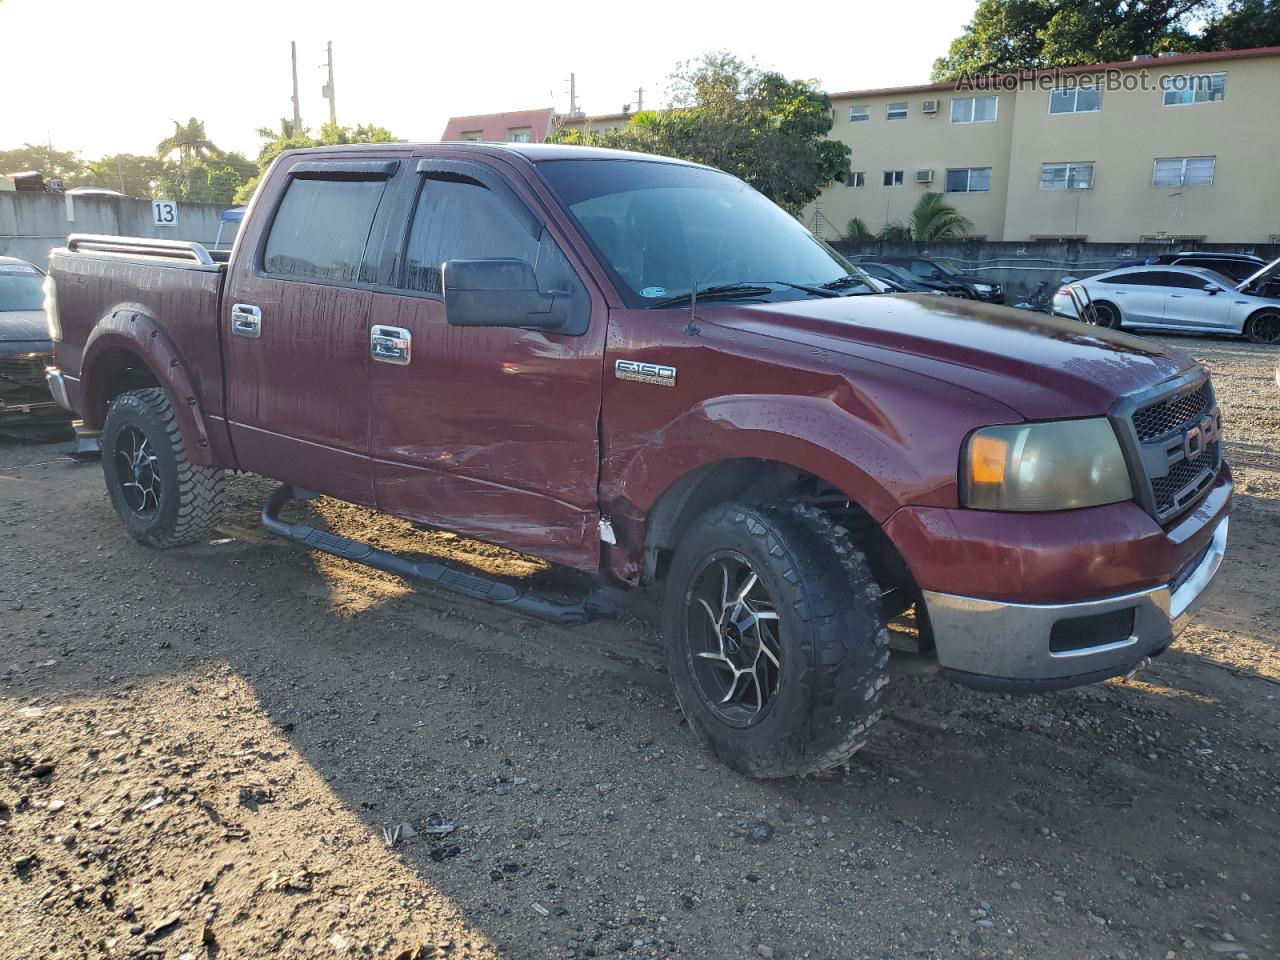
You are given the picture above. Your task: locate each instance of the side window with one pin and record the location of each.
(1130, 280)
(1161, 278)
(1187, 281)
(321, 229)
(923, 268)
(459, 219)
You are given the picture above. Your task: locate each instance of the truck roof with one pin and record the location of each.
(532, 152)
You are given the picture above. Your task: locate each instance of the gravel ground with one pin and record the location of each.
(241, 749)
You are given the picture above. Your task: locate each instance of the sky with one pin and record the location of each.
(106, 77)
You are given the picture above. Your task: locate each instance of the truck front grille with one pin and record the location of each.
(1173, 445)
(22, 377)
(1166, 416)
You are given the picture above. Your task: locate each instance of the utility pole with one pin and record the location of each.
(639, 99)
(297, 112)
(327, 89)
(573, 95)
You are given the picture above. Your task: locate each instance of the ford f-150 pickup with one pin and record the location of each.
(642, 368)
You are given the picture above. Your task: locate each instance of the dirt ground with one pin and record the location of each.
(243, 750)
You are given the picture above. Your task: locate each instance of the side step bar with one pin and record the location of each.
(473, 585)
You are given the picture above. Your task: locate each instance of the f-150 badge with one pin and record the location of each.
(656, 373)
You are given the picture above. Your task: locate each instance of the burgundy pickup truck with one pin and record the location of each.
(642, 368)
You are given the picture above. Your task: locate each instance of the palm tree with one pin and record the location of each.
(189, 140)
(932, 219)
(857, 231)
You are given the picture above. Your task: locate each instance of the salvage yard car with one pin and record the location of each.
(939, 276)
(1178, 299)
(641, 368)
(27, 409)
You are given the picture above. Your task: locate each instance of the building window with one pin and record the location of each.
(1066, 176)
(859, 114)
(969, 180)
(1075, 100)
(896, 111)
(1183, 172)
(974, 110)
(518, 134)
(893, 178)
(1182, 89)
(856, 178)
(471, 135)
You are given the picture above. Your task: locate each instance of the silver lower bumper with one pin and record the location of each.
(994, 644)
(58, 387)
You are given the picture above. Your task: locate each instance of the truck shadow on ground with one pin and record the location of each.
(584, 815)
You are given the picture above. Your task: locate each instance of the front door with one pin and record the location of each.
(491, 432)
(1188, 303)
(296, 338)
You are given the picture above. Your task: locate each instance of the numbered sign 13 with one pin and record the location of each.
(164, 213)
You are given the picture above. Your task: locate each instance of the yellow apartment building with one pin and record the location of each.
(1177, 148)
(1169, 147)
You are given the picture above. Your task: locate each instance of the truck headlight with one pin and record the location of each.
(51, 309)
(1057, 465)
(983, 287)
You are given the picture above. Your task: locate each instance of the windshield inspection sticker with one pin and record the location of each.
(652, 292)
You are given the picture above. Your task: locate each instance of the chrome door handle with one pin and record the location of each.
(390, 344)
(246, 320)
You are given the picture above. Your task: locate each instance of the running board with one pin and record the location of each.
(473, 585)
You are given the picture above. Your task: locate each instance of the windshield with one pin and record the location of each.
(20, 287)
(664, 227)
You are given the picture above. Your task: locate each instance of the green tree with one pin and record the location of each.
(1243, 24)
(65, 165)
(129, 173)
(1005, 36)
(757, 125)
(289, 137)
(932, 219)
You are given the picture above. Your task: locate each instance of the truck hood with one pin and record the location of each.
(1042, 367)
(23, 325)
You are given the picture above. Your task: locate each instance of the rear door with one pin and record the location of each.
(491, 432)
(1139, 301)
(1187, 303)
(296, 338)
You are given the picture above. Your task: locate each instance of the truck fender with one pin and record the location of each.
(133, 330)
(813, 434)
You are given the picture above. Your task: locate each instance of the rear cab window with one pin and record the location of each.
(321, 229)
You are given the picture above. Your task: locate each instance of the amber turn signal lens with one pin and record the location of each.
(987, 457)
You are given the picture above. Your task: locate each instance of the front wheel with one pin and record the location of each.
(1264, 327)
(775, 642)
(161, 497)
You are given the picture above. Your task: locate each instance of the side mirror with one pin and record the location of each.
(500, 293)
(1211, 288)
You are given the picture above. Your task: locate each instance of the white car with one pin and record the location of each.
(1182, 299)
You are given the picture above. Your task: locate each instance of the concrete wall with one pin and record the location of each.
(31, 224)
(1022, 266)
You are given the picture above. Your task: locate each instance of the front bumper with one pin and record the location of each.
(1021, 647)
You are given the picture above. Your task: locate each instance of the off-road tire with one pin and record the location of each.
(190, 499)
(835, 648)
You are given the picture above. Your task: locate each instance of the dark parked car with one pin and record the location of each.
(1237, 266)
(27, 409)
(900, 280)
(938, 275)
(502, 340)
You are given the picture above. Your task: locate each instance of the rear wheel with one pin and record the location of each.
(775, 642)
(1103, 314)
(1264, 327)
(162, 498)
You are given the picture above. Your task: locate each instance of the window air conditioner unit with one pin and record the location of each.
(924, 176)
(929, 106)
